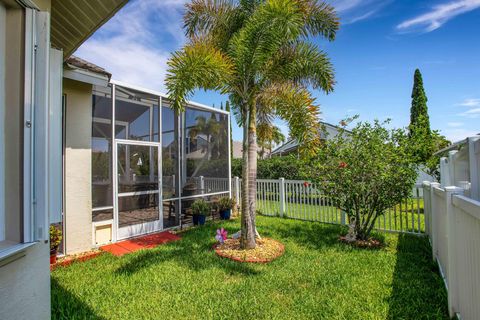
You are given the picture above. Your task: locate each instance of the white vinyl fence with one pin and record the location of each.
(298, 199)
(453, 225)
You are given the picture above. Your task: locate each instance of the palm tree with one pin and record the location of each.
(268, 135)
(259, 53)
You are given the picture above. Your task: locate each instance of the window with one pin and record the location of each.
(139, 112)
(102, 186)
(205, 152)
(169, 152)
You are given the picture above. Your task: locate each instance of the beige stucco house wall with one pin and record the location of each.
(78, 166)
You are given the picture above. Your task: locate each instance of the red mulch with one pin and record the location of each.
(64, 262)
(145, 242)
(370, 243)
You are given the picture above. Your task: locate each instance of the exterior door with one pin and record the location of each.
(138, 196)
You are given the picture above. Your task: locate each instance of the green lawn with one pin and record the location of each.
(317, 278)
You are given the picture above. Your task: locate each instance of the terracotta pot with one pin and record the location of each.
(53, 258)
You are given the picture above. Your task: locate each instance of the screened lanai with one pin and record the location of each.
(154, 162)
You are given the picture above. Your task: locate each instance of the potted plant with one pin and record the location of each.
(225, 206)
(200, 209)
(55, 240)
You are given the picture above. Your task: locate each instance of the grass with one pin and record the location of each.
(316, 278)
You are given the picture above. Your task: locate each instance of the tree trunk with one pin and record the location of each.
(249, 185)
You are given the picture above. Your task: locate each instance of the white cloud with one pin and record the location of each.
(459, 134)
(472, 113)
(352, 11)
(455, 124)
(136, 43)
(471, 103)
(438, 15)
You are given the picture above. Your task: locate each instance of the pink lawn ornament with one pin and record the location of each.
(221, 235)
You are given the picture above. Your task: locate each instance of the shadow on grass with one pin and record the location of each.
(66, 305)
(194, 251)
(313, 235)
(417, 288)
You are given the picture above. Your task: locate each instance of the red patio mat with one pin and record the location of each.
(135, 244)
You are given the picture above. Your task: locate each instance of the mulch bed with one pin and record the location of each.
(265, 251)
(370, 243)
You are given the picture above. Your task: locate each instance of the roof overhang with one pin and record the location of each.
(74, 21)
(87, 77)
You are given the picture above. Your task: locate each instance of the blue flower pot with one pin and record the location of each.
(195, 219)
(198, 220)
(225, 214)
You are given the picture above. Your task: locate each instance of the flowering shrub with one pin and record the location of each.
(366, 172)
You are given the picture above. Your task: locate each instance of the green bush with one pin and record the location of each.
(226, 203)
(288, 167)
(201, 207)
(366, 173)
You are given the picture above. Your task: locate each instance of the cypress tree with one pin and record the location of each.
(419, 128)
(419, 109)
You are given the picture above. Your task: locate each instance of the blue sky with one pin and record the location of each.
(378, 47)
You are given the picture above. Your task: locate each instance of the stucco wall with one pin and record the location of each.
(25, 286)
(78, 187)
(14, 125)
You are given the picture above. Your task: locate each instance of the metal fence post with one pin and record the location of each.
(202, 184)
(237, 190)
(282, 197)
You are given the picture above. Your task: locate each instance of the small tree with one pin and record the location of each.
(366, 173)
(419, 128)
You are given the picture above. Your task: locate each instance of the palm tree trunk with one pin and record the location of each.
(249, 186)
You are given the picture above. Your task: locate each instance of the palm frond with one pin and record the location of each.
(320, 19)
(304, 64)
(217, 20)
(271, 26)
(197, 65)
(295, 105)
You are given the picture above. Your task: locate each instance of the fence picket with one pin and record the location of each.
(309, 202)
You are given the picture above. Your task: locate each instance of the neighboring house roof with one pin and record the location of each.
(330, 130)
(78, 69)
(75, 62)
(74, 21)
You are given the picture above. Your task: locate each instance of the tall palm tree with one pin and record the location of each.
(268, 135)
(259, 53)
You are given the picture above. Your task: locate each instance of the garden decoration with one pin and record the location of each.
(221, 235)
